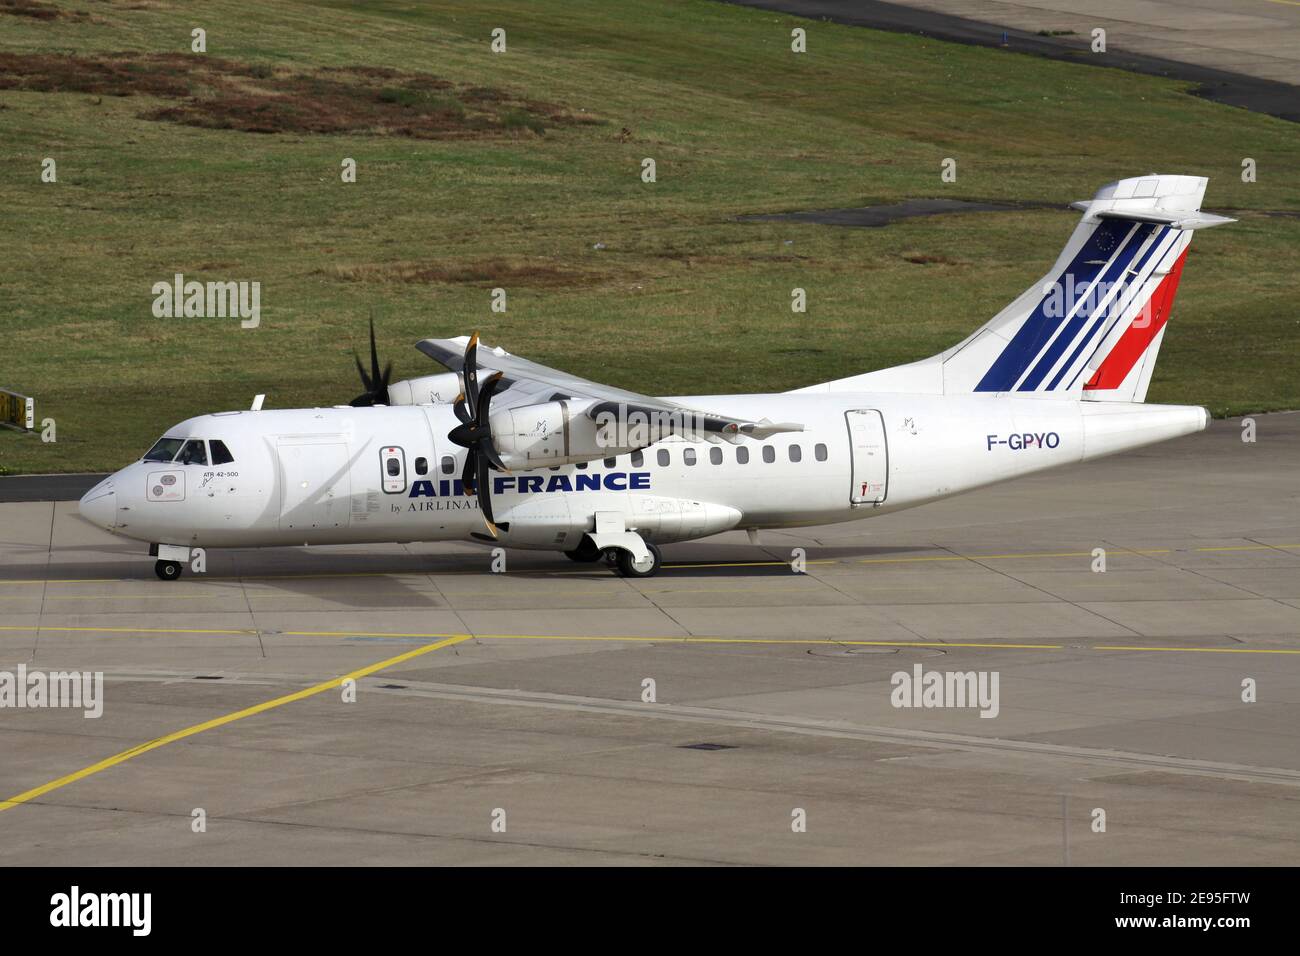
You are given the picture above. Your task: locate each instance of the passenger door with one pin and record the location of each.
(870, 453)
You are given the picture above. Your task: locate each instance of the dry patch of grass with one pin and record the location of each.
(217, 93)
(929, 259)
(487, 273)
(38, 10)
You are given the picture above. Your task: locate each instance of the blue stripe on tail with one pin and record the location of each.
(1112, 310)
(1090, 300)
(1078, 278)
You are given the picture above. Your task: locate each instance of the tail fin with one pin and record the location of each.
(1092, 326)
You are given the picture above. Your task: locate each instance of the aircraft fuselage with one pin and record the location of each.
(389, 474)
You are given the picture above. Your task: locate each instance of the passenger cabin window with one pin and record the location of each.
(421, 466)
(715, 455)
(688, 455)
(819, 450)
(769, 454)
(796, 453)
(195, 452)
(164, 450)
(611, 462)
(742, 455)
(448, 465)
(638, 459)
(664, 458)
(220, 453)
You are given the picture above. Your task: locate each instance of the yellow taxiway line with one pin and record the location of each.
(446, 640)
(163, 741)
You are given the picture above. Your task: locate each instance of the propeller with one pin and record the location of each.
(376, 382)
(474, 433)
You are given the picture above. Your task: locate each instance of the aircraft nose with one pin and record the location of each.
(99, 505)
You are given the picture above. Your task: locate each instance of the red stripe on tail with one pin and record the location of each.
(1139, 335)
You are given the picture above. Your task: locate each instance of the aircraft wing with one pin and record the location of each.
(527, 383)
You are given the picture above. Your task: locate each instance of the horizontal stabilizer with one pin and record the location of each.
(1198, 220)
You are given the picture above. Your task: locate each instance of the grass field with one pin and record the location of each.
(510, 170)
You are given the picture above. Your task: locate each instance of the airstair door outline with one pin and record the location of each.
(870, 453)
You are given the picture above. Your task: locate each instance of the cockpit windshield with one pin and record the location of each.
(190, 451)
(165, 450)
(220, 453)
(195, 452)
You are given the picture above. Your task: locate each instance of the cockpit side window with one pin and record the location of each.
(195, 452)
(220, 453)
(165, 450)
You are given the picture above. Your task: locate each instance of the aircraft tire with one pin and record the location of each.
(168, 570)
(629, 569)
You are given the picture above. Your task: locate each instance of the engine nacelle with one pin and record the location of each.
(440, 389)
(560, 433)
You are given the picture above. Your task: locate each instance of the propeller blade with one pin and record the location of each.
(492, 457)
(485, 397)
(375, 375)
(468, 474)
(375, 381)
(484, 478)
(361, 370)
(471, 372)
(472, 408)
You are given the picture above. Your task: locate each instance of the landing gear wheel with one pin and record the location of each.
(584, 553)
(168, 570)
(629, 568)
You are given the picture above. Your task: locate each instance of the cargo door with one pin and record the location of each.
(314, 484)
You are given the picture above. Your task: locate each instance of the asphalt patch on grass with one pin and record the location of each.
(1221, 86)
(875, 217)
(216, 93)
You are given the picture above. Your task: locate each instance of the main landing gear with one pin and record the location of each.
(619, 559)
(629, 567)
(625, 550)
(585, 553)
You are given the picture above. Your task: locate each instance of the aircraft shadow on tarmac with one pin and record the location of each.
(293, 569)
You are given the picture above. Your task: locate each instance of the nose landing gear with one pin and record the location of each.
(171, 560)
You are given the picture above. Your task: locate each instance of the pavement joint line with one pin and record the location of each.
(646, 639)
(674, 567)
(199, 728)
(1201, 650)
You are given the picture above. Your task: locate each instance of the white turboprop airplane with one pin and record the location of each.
(537, 458)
